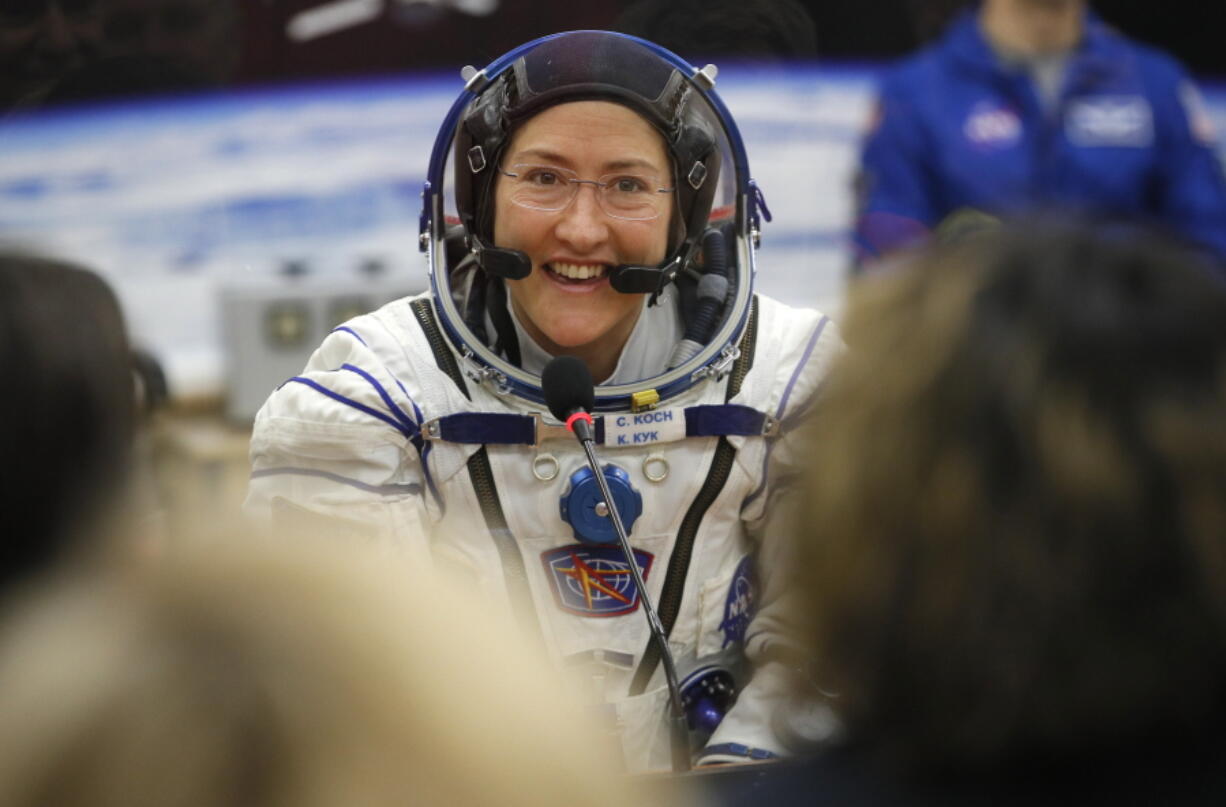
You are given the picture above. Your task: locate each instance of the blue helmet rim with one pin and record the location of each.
(435, 174)
(506, 378)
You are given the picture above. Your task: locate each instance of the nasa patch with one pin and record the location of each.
(739, 606)
(592, 580)
(1110, 120)
(991, 125)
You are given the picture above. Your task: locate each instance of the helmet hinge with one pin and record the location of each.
(474, 79)
(706, 76)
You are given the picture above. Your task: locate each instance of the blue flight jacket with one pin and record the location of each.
(955, 129)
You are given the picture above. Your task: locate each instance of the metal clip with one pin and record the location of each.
(432, 430)
(721, 366)
(758, 212)
(482, 373)
(423, 227)
(476, 159)
(549, 431)
(770, 426)
(697, 175)
(705, 77)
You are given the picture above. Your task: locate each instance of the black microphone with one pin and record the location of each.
(569, 394)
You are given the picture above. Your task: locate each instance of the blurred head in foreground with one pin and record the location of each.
(1018, 550)
(68, 411)
(311, 679)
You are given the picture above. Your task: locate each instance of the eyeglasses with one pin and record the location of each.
(628, 196)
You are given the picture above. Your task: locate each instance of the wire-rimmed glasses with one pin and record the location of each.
(628, 195)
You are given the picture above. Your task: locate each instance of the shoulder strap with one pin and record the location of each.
(482, 476)
(679, 561)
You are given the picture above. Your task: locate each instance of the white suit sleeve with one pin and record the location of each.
(337, 449)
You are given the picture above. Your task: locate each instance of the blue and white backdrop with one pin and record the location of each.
(176, 201)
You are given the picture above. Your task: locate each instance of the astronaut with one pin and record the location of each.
(588, 195)
(1024, 105)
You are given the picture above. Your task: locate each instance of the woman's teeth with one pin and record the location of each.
(577, 271)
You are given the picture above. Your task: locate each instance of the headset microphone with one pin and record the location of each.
(570, 395)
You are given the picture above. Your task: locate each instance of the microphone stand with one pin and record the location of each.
(680, 735)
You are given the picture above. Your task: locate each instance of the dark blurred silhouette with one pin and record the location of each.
(107, 78)
(929, 17)
(766, 30)
(203, 38)
(42, 39)
(1014, 544)
(69, 410)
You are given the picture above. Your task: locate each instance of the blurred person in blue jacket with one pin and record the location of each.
(1037, 103)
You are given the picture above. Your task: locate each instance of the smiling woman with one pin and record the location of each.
(586, 179)
(566, 304)
(588, 195)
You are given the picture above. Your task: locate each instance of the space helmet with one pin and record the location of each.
(708, 269)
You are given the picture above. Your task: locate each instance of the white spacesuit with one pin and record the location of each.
(420, 425)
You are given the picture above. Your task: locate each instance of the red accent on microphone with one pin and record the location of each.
(570, 421)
